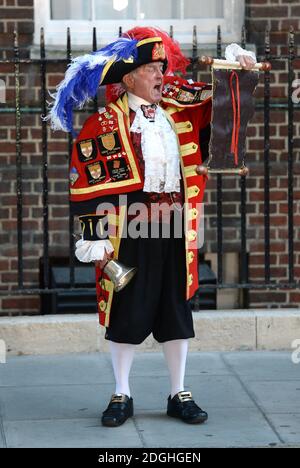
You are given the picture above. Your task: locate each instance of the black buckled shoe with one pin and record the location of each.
(119, 409)
(182, 406)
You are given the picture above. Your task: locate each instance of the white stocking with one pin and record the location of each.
(175, 352)
(122, 357)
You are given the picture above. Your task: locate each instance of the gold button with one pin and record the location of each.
(102, 305)
(191, 256)
(193, 213)
(192, 235)
(191, 279)
(193, 191)
(194, 146)
(189, 125)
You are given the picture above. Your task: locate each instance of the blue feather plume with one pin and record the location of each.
(82, 79)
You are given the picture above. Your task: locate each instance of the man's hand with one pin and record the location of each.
(101, 263)
(246, 62)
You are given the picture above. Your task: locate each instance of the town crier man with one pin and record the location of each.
(141, 150)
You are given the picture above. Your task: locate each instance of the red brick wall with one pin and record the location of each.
(259, 13)
(16, 15)
(279, 16)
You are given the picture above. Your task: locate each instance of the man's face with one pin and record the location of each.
(147, 82)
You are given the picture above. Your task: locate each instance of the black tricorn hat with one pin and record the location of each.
(147, 51)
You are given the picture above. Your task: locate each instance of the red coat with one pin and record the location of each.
(104, 163)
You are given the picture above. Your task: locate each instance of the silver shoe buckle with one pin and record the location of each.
(118, 398)
(185, 396)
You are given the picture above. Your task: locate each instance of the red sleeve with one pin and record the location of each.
(201, 115)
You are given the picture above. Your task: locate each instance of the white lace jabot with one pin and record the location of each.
(159, 148)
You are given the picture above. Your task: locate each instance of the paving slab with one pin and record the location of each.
(2, 433)
(2, 442)
(87, 401)
(75, 433)
(263, 365)
(276, 396)
(66, 369)
(197, 364)
(54, 402)
(225, 428)
(208, 391)
(287, 425)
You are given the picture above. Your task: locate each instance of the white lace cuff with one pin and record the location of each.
(89, 251)
(233, 50)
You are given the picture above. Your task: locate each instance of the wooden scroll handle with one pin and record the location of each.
(205, 170)
(202, 170)
(218, 63)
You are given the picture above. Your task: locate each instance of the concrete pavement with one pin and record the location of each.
(252, 398)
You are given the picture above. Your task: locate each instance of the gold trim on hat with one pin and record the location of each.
(113, 59)
(106, 68)
(147, 41)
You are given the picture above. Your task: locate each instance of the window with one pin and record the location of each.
(107, 15)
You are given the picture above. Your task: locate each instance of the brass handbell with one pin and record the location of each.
(119, 274)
